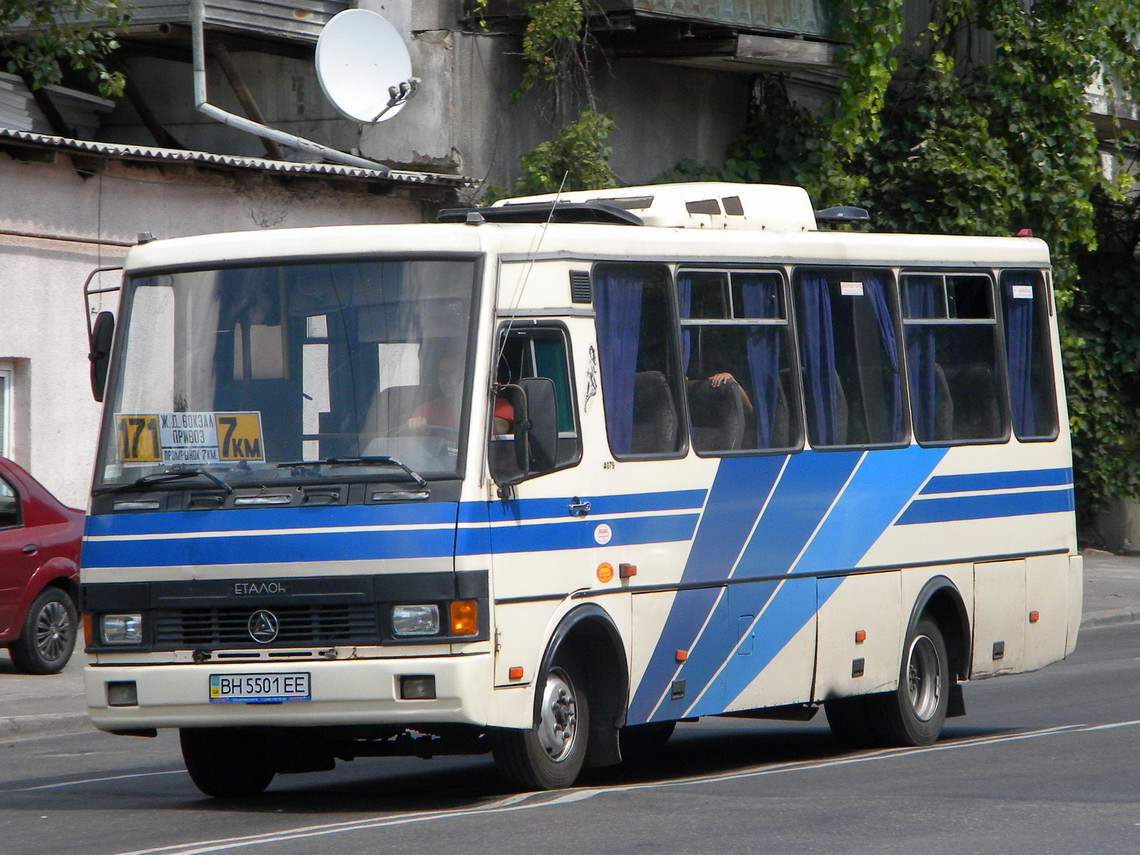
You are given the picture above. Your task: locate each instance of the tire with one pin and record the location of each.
(850, 720)
(915, 713)
(549, 755)
(47, 638)
(227, 763)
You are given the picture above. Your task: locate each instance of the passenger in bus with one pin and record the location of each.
(723, 378)
(442, 410)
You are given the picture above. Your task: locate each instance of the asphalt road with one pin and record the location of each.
(1044, 763)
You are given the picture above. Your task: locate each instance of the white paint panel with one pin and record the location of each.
(871, 603)
(999, 617)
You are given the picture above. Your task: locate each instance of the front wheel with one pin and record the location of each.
(915, 713)
(227, 763)
(48, 635)
(549, 756)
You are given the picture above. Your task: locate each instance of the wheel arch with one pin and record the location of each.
(591, 635)
(941, 599)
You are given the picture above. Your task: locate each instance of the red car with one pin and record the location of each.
(39, 573)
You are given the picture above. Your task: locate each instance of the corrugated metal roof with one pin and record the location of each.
(260, 164)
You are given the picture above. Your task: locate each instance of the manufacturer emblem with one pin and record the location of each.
(263, 626)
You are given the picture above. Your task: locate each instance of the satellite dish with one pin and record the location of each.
(364, 67)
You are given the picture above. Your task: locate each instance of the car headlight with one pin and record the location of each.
(121, 629)
(415, 620)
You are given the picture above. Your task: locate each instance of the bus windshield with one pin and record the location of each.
(251, 374)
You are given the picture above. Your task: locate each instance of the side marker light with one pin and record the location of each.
(860, 636)
(1034, 616)
(682, 656)
(515, 672)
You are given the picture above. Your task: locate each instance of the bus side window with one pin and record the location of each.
(951, 355)
(850, 357)
(637, 352)
(736, 350)
(538, 352)
(1025, 316)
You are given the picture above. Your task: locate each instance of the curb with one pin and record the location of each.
(1111, 619)
(18, 727)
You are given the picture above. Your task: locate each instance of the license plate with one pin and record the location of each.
(259, 688)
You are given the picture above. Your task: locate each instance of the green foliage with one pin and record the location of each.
(75, 35)
(578, 158)
(556, 48)
(946, 135)
(551, 39)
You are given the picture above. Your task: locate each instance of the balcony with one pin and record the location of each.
(746, 35)
(273, 20)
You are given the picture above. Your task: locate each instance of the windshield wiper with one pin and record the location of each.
(164, 478)
(383, 460)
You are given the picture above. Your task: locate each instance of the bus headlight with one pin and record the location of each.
(415, 620)
(121, 629)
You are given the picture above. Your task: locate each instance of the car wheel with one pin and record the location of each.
(227, 762)
(48, 634)
(916, 712)
(549, 756)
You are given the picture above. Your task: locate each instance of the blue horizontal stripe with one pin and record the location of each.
(987, 507)
(537, 509)
(270, 519)
(579, 534)
(284, 547)
(979, 481)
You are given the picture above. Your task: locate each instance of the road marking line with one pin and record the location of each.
(528, 801)
(80, 783)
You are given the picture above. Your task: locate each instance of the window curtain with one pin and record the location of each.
(875, 289)
(617, 302)
(684, 311)
(817, 344)
(921, 294)
(1019, 353)
(761, 300)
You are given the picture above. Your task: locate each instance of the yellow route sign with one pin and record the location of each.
(189, 438)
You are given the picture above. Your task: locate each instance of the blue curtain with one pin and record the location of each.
(875, 289)
(617, 301)
(1019, 354)
(817, 344)
(684, 310)
(921, 295)
(761, 300)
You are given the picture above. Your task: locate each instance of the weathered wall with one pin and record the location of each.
(463, 119)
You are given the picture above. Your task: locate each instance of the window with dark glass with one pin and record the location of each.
(537, 352)
(1025, 317)
(952, 357)
(736, 352)
(638, 359)
(9, 506)
(849, 355)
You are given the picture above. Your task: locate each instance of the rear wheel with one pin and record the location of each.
(549, 756)
(227, 763)
(915, 713)
(48, 635)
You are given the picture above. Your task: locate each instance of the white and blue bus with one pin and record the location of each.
(543, 479)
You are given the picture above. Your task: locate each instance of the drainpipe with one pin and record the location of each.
(198, 42)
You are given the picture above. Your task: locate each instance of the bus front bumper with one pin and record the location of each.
(347, 692)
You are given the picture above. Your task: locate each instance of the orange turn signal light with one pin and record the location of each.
(682, 656)
(1034, 617)
(515, 672)
(464, 617)
(860, 636)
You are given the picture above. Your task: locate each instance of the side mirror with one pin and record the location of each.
(535, 433)
(102, 333)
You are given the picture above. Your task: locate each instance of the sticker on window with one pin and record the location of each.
(190, 438)
(1023, 292)
(851, 289)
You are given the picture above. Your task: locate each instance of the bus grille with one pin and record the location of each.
(299, 625)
